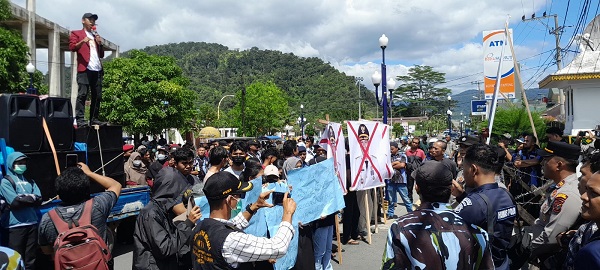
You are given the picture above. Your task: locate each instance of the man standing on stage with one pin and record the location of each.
(88, 45)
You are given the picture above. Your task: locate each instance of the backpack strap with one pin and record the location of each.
(12, 181)
(491, 221)
(59, 223)
(86, 214)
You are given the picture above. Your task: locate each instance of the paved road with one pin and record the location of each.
(362, 256)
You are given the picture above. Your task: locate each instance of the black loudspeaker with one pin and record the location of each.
(111, 137)
(113, 165)
(41, 168)
(21, 122)
(59, 117)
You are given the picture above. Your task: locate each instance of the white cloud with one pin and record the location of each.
(443, 34)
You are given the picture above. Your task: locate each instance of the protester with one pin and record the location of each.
(135, 171)
(450, 147)
(351, 215)
(434, 237)
(162, 156)
(321, 154)
(528, 161)
(487, 205)
(253, 150)
(269, 156)
(127, 150)
(561, 208)
(414, 157)
(23, 196)
(302, 156)
(271, 175)
(437, 154)
(554, 134)
(398, 182)
(180, 174)
(220, 243)
(252, 169)
(88, 46)
(504, 143)
(73, 188)
(290, 153)
(158, 242)
(588, 257)
(146, 155)
(218, 158)
(237, 154)
(310, 149)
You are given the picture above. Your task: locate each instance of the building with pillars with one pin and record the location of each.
(41, 33)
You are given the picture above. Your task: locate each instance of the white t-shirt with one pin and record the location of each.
(231, 171)
(94, 63)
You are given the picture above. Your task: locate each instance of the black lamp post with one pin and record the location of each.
(302, 120)
(381, 79)
(449, 113)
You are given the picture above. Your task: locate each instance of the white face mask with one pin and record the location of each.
(161, 157)
(137, 163)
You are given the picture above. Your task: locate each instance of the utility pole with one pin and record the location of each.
(556, 31)
(481, 96)
(358, 80)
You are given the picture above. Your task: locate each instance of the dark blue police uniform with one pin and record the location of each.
(474, 210)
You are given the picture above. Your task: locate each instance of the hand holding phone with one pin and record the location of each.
(72, 160)
(278, 197)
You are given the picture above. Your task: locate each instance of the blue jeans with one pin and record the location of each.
(322, 242)
(394, 188)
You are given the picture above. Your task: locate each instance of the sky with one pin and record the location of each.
(446, 34)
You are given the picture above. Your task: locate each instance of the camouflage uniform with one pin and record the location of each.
(415, 239)
(583, 235)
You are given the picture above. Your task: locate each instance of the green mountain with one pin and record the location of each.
(215, 70)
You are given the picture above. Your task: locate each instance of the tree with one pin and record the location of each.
(398, 130)
(420, 94)
(514, 120)
(146, 94)
(266, 109)
(13, 55)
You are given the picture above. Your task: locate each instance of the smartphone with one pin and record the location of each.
(72, 160)
(192, 202)
(278, 197)
(581, 133)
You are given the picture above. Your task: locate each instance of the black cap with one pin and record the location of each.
(90, 15)
(433, 173)
(254, 142)
(561, 149)
(223, 184)
(468, 140)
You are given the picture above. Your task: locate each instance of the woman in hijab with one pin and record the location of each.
(135, 171)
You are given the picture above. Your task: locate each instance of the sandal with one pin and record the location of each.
(352, 242)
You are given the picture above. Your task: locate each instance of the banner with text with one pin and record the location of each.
(493, 44)
(478, 107)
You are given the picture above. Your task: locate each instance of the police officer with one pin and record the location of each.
(487, 205)
(561, 207)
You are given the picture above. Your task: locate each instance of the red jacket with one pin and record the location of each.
(83, 53)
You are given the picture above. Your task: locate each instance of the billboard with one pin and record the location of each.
(493, 44)
(478, 107)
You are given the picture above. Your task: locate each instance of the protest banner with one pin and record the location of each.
(370, 161)
(334, 141)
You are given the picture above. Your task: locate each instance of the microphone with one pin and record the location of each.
(94, 32)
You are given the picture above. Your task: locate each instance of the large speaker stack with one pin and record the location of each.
(21, 126)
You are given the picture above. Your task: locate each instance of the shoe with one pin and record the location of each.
(97, 122)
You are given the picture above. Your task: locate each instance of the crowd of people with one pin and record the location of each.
(472, 204)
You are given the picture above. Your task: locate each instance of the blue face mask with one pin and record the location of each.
(20, 169)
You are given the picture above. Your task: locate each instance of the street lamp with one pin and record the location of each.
(31, 69)
(219, 106)
(449, 113)
(377, 79)
(461, 127)
(301, 119)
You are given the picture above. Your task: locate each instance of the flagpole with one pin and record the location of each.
(497, 86)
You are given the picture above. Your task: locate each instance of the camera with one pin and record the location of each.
(581, 133)
(278, 197)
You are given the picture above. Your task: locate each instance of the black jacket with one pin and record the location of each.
(158, 242)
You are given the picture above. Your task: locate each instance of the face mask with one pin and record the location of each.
(20, 169)
(237, 160)
(161, 157)
(137, 163)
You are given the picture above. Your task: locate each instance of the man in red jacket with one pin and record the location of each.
(88, 45)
